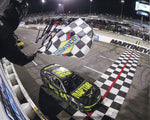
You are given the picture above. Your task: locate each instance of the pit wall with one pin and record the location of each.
(15, 102)
(130, 45)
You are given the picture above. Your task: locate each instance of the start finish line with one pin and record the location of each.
(130, 46)
(123, 43)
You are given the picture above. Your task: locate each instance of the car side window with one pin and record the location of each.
(57, 83)
(48, 76)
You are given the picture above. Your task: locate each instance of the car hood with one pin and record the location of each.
(87, 94)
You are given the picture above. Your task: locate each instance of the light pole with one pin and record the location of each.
(61, 8)
(90, 6)
(122, 3)
(43, 2)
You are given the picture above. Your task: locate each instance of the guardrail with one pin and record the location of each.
(18, 93)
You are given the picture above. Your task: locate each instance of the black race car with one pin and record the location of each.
(78, 93)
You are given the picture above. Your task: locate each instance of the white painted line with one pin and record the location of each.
(34, 63)
(93, 69)
(106, 58)
(23, 91)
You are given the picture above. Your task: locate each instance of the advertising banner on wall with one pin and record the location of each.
(125, 44)
(10, 108)
(142, 8)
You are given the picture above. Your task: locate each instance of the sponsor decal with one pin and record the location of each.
(138, 42)
(48, 67)
(42, 117)
(66, 46)
(81, 91)
(62, 72)
(11, 102)
(96, 37)
(58, 92)
(130, 46)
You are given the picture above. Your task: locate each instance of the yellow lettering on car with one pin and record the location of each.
(90, 94)
(58, 72)
(62, 72)
(63, 95)
(55, 90)
(65, 74)
(51, 87)
(81, 91)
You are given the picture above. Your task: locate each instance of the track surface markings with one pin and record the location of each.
(93, 70)
(114, 85)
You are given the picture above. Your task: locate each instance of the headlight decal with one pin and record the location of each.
(94, 103)
(48, 67)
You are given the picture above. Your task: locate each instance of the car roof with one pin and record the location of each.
(59, 71)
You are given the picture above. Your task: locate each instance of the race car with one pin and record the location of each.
(79, 93)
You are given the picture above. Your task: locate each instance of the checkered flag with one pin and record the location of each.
(74, 40)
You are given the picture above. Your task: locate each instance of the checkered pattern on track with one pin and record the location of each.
(113, 101)
(115, 98)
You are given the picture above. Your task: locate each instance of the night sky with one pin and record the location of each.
(83, 6)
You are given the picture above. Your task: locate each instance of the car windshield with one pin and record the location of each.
(72, 83)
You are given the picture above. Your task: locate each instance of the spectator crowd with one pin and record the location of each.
(124, 28)
(121, 28)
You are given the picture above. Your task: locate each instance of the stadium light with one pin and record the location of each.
(61, 7)
(90, 6)
(43, 1)
(59, 4)
(122, 3)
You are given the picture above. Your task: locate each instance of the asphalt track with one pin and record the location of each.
(91, 67)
